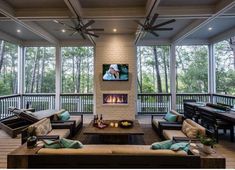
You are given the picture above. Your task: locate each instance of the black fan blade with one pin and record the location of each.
(75, 32)
(56, 21)
(164, 23)
(139, 23)
(95, 29)
(155, 34)
(94, 35)
(154, 19)
(83, 36)
(163, 29)
(88, 24)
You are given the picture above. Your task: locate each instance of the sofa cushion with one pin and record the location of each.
(42, 127)
(146, 151)
(77, 119)
(157, 120)
(179, 116)
(169, 117)
(64, 116)
(162, 145)
(201, 129)
(189, 130)
(169, 134)
(83, 151)
(62, 133)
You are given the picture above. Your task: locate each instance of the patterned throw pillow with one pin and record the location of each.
(189, 130)
(42, 127)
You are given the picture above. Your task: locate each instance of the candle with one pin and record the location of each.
(116, 125)
(111, 124)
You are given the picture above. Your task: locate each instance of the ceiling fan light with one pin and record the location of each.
(114, 30)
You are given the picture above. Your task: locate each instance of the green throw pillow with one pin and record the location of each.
(180, 146)
(162, 145)
(67, 143)
(52, 144)
(64, 116)
(170, 117)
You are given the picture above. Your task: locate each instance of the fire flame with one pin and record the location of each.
(114, 99)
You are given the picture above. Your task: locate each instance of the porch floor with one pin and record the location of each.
(225, 147)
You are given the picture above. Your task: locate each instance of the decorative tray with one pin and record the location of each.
(126, 124)
(101, 126)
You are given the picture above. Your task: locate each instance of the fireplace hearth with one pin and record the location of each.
(115, 99)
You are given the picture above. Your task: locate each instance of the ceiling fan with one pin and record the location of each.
(82, 29)
(149, 27)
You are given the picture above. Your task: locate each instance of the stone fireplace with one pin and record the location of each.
(115, 99)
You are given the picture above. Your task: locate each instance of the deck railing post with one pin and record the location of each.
(211, 72)
(173, 76)
(58, 77)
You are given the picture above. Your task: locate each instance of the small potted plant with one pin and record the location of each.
(208, 143)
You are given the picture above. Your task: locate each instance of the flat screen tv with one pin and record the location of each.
(115, 72)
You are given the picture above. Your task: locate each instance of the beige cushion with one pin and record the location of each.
(62, 133)
(201, 130)
(78, 119)
(82, 151)
(189, 130)
(179, 116)
(111, 149)
(157, 120)
(169, 134)
(42, 127)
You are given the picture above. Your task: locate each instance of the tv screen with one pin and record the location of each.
(115, 72)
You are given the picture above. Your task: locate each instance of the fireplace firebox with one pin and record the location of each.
(115, 99)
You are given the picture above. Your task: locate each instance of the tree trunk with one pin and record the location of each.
(74, 84)
(88, 70)
(165, 70)
(34, 70)
(232, 45)
(140, 71)
(38, 76)
(78, 73)
(42, 71)
(2, 48)
(159, 85)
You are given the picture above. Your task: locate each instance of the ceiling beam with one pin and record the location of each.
(219, 9)
(8, 11)
(9, 38)
(42, 13)
(223, 36)
(165, 12)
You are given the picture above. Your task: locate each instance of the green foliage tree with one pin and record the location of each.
(225, 71)
(77, 69)
(8, 68)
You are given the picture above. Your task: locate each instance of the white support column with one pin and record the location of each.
(21, 73)
(58, 77)
(173, 76)
(211, 72)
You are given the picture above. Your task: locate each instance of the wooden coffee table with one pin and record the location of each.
(114, 135)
